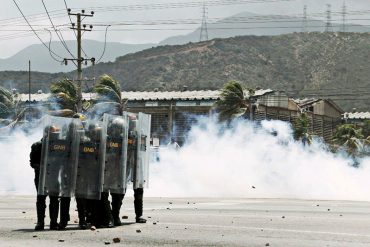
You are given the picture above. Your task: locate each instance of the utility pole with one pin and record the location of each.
(203, 28)
(328, 27)
(80, 27)
(304, 19)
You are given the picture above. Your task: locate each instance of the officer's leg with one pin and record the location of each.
(81, 209)
(40, 205)
(40, 208)
(64, 212)
(138, 203)
(106, 219)
(53, 212)
(116, 207)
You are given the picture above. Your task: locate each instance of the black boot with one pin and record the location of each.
(106, 220)
(64, 212)
(116, 207)
(53, 212)
(40, 208)
(81, 209)
(138, 203)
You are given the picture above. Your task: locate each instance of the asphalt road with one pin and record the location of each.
(202, 222)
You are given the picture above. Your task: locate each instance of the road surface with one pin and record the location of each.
(202, 222)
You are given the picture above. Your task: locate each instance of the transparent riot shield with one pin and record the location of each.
(141, 175)
(90, 169)
(59, 157)
(115, 128)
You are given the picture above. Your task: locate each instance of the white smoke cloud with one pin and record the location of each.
(16, 175)
(224, 162)
(229, 163)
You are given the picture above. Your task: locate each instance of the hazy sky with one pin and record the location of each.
(12, 44)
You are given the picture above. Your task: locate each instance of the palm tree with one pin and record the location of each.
(234, 100)
(64, 93)
(11, 107)
(6, 101)
(350, 137)
(109, 95)
(301, 129)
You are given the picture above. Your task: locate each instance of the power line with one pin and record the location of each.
(60, 36)
(74, 31)
(37, 34)
(105, 44)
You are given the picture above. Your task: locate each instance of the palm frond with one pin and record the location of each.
(108, 89)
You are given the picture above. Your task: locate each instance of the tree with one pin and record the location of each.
(301, 129)
(7, 101)
(234, 100)
(64, 93)
(366, 129)
(109, 95)
(348, 136)
(11, 107)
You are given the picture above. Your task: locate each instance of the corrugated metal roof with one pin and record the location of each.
(306, 101)
(357, 115)
(153, 96)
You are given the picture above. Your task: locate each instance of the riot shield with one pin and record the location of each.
(59, 157)
(90, 169)
(141, 175)
(115, 128)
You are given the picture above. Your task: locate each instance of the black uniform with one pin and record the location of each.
(35, 160)
(138, 193)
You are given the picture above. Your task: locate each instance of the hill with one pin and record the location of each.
(303, 64)
(247, 23)
(42, 62)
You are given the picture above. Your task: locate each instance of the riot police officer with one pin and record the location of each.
(131, 174)
(35, 160)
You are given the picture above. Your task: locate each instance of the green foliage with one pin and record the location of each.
(109, 93)
(348, 136)
(301, 129)
(366, 129)
(108, 89)
(65, 93)
(233, 101)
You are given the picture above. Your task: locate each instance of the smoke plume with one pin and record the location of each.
(258, 161)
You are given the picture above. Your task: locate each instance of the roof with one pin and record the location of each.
(152, 95)
(302, 103)
(357, 115)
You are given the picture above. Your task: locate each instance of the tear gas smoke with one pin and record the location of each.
(262, 161)
(16, 175)
(225, 162)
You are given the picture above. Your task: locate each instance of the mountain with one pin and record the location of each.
(303, 64)
(260, 25)
(41, 59)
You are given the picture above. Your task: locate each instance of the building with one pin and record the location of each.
(174, 112)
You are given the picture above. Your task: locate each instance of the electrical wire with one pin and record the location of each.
(105, 44)
(29, 24)
(60, 36)
(74, 31)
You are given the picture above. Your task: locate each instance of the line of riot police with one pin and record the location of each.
(89, 160)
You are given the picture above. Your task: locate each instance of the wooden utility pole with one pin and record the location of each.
(80, 27)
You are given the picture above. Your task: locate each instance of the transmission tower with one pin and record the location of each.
(304, 24)
(344, 13)
(328, 27)
(203, 28)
